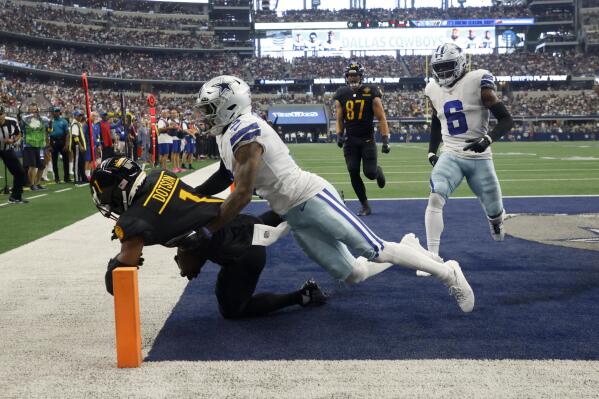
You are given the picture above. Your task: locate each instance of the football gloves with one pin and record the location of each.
(386, 147)
(340, 140)
(113, 264)
(478, 144)
(433, 158)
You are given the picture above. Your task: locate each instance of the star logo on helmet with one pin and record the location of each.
(223, 87)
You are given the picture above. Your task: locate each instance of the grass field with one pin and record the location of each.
(535, 168)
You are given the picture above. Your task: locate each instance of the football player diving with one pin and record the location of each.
(159, 208)
(462, 102)
(255, 158)
(356, 106)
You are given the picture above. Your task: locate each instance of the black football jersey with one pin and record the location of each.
(357, 108)
(163, 208)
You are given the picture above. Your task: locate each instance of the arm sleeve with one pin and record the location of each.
(435, 139)
(219, 181)
(504, 121)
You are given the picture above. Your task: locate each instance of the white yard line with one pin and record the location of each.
(36, 196)
(64, 189)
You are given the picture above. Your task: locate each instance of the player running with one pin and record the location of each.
(255, 157)
(161, 209)
(356, 106)
(461, 103)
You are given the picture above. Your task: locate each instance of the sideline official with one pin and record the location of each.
(10, 134)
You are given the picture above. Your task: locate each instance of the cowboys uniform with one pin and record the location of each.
(463, 119)
(320, 222)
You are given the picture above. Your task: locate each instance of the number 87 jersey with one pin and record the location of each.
(461, 111)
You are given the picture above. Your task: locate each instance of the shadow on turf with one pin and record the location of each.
(533, 301)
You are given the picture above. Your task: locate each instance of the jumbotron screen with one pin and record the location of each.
(339, 42)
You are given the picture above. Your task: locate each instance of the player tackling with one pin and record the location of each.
(461, 103)
(255, 157)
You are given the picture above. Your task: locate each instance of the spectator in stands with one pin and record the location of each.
(59, 144)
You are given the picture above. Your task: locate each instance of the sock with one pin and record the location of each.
(364, 269)
(433, 221)
(71, 168)
(417, 259)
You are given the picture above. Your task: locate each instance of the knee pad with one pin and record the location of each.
(436, 202)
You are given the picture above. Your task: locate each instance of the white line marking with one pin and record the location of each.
(496, 170)
(36, 196)
(64, 189)
(472, 197)
(500, 181)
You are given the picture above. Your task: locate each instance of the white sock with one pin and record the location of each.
(364, 269)
(71, 167)
(433, 221)
(413, 258)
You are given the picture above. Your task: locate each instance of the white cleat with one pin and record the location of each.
(496, 227)
(412, 241)
(459, 288)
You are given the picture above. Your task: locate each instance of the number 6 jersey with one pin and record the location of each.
(461, 111)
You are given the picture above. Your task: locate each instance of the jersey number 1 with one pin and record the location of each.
(350, 113)
(456, 120)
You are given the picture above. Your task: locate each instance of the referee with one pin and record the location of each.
(9, 135)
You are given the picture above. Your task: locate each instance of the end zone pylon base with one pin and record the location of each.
(126, 317)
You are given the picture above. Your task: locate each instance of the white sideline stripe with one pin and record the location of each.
(415, 172)
(36, 196)
(500, 181)
(473, 197)
(64, 189)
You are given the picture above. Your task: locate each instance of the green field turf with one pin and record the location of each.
(537, 168)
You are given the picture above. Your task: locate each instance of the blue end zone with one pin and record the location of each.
(533, 301)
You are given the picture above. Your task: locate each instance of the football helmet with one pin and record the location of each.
(448, 64)
(113, 185)
(352, 70)
(222, 100)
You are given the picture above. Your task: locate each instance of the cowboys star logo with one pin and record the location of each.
(223, 87)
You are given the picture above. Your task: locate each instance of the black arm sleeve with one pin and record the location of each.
(219, 181)
(504, 121)
(435, 140)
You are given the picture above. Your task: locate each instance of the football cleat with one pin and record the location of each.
(496, 227)
(459, 288)
(312, 295)
(380, 177)
(13, 200)
(365, 211)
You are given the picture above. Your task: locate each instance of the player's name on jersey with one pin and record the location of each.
(163, 189)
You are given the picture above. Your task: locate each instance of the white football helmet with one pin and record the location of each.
(222, 100)
(448, 64)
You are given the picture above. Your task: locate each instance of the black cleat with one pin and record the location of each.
(312, 295)
(380, 177)
(365, 211)
(14, 200)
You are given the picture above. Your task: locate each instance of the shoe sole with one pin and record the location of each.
(460, 277)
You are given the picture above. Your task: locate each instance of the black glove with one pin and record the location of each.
(113, 264)
(386, 147)
(433, 158)
(340, 140)
(479, 144)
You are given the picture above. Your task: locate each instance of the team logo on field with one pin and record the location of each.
(573, 231)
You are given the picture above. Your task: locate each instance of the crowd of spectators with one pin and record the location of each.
(124, 5)
(554, 15)
(398, 104)
(196, 67)
(80, 16)
(232, 3)
(75, 26)
(590, 3)
(523, 63)
(381, 14)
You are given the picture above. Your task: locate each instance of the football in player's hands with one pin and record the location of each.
(433, 158)
(478, 144)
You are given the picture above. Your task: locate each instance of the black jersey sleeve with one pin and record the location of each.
(376, 91)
